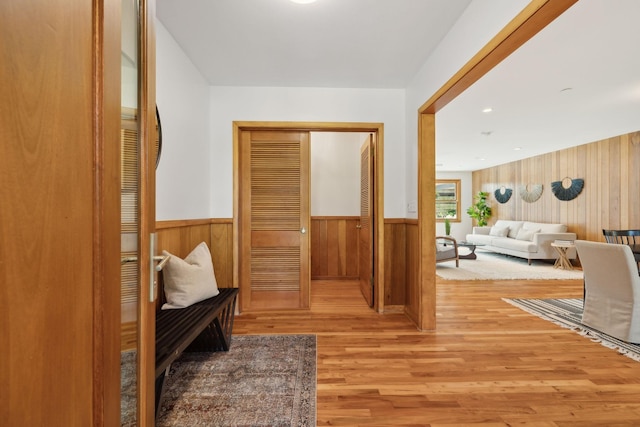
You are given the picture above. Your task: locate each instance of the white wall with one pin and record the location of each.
(335, 173)
(479, 23)
(195, 176)
(230, 104)
(183, 179)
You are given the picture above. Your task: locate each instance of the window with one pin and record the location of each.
(448, 200)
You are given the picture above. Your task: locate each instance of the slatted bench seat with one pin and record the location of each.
(203, 326)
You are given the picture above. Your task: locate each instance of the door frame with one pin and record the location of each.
(531, 20)
(378, 198)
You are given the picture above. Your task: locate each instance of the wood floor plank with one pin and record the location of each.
(488, 363)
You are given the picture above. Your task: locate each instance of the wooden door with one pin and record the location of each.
(60, 213)
(274, 220)
(366, 240)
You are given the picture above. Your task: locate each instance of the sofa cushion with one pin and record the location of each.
(526, 234)
(514, 226)
(515, 245)
(545, 227)
(499, 231)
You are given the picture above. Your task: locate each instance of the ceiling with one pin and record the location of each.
(591, 49)
(330, 43)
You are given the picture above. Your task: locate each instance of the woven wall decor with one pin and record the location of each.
(531, 195)
(503, 194)
(567, 189)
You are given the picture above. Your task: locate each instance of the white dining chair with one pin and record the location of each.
(612, 289)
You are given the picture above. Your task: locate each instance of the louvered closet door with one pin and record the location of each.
(274, 220)
(366, 221)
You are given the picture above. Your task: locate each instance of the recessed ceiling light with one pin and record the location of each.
(486, 132)
(566, 89)
(303, 1)
(487, 110)
(517, 149)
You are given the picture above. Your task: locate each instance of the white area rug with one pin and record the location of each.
(492, 266)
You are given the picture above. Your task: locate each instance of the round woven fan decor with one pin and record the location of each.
(532, 195)
(567, 189)
(503, 194)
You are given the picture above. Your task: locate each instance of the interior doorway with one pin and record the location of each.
(342, 236)
(240, 202)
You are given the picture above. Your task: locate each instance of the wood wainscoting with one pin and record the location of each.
(334, 247)
(401, 260)
(334, 252)
(180, 237)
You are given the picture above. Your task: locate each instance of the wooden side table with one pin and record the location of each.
(562, 262)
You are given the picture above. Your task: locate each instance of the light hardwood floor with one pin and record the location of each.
(488, 363)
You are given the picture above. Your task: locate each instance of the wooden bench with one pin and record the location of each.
(203, 326)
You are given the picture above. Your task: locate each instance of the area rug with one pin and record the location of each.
(263, 380)
(568, 314)
(492, 266)
(128, 389)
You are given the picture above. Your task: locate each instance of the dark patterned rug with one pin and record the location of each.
(568, 314)
(128, 389)
(263, 380)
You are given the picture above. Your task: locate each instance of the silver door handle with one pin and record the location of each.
(163, 260)
(303, 230)
(358, 226)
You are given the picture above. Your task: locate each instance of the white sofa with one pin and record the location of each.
(524, 239)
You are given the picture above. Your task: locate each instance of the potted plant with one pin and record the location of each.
(447, 227)
(480, 210)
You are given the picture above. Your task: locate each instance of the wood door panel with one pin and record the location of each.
(274, 238)
(275, 268)
(274, 219)
(275, 300)
(366, 215)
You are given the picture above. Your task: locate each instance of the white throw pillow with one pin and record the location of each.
(499, 231)
(189, 280)
(526, 234)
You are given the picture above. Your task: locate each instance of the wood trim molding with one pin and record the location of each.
(413, 221)
(106, 213)
(321, 217)
(531, 20)
(310, 126)
(377, 128)
(175, 223)
(147, 191)
(426, 312)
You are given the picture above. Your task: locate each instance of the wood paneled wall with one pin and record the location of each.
(610, 197)
(334, 247)
(334, 251)
(182, 236)
(395, 274)
(401, 263)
